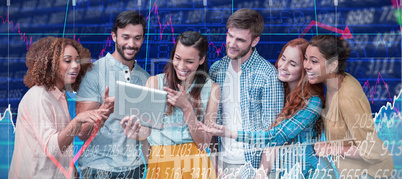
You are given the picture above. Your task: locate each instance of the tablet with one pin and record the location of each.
(148, 104)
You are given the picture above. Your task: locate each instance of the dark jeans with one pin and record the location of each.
(92, 173)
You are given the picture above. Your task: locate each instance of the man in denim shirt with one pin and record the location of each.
(111, 154)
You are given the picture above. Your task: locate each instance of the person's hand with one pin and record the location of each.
(217, 130)
(221, 174)
(131, 129)
(178, 98)
(322, 149)
(92, 117)
(260, 174)
(108, 103)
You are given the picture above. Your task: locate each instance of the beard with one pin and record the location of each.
(241, 54)
(120, 50)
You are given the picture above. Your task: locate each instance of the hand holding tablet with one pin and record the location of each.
(133, 129)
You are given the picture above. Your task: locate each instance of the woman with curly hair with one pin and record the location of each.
(44, 130)
(299, 121)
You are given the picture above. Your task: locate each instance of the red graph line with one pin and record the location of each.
(169, 22)
(78, 39)
(373, 91)
(155, 11)
(345, 33)
(396, 3)
(218, 50)
(108, 43)
(24, 38)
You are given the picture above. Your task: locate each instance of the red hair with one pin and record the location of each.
(296, 100)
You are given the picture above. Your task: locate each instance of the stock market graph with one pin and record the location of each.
(372, 28)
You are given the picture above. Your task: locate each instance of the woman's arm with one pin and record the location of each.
(93, 117)
(278, 135)
(180, 100)
(323, 149)
(209, 118)
(287, 129)
(356, 113)
(267, 162)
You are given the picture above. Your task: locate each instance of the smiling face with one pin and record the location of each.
(315, 65)
(69, 67)
(128, 41)
(290, 66)
(239, 43)
(186, 61)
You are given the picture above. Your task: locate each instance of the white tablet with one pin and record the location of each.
(148, 104)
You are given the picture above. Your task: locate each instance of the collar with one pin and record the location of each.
(247, 64)
(58, 94)
(114, 62)
(251, 60)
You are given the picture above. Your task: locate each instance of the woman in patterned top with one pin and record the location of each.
(299, 121)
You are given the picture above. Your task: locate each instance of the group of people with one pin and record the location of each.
(255, 108)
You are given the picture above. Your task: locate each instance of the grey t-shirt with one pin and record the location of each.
(110, 150)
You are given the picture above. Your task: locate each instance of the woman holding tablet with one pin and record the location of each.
(178, 150)
(299, 120)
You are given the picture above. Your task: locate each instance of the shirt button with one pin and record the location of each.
(126, 71)
(128, 79)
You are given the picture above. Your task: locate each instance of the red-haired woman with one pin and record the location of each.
(178, 150)
(44, 130)
(299, 120)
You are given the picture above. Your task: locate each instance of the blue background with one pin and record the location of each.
(375, 60)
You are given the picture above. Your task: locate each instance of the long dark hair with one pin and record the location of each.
(296, 100)
(333, 48)
(199, 42)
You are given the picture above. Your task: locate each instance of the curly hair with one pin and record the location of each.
(296, 100)
(43, 59)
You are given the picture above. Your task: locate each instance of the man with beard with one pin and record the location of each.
(251, 94)
(111, 154)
